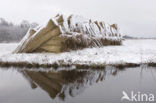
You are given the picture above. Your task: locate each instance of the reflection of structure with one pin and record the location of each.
(66, 83)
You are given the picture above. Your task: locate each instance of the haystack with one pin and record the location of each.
(62, 34)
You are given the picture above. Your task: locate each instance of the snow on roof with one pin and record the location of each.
(76, 23)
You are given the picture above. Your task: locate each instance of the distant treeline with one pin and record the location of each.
(10, 32)
(132, 37)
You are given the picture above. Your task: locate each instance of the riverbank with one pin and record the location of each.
(130, 53)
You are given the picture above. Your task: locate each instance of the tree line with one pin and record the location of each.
(10, 32)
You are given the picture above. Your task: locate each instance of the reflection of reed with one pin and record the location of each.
(63, 83)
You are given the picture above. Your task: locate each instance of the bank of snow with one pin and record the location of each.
(132, 51)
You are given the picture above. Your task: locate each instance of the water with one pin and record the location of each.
(75, 86)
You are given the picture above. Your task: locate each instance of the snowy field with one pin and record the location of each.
(7, 48)
(132, 51)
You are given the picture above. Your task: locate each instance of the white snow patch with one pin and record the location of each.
(6, 48)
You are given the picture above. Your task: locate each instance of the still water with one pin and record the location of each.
(75, 86)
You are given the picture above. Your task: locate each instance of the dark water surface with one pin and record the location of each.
(75, 86)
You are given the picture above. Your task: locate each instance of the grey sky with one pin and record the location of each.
(135, 17)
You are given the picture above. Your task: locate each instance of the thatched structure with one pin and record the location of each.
(64, 34)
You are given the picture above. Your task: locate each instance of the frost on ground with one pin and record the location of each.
(6, 48)
(132, 51)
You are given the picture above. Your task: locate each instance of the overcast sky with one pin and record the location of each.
(134, 17)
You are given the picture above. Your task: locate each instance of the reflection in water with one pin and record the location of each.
(64, 83)
(74, 86)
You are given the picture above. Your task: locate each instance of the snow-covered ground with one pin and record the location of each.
(6, 48)
(132, 51)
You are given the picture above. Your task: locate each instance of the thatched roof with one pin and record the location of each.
(73, 32)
